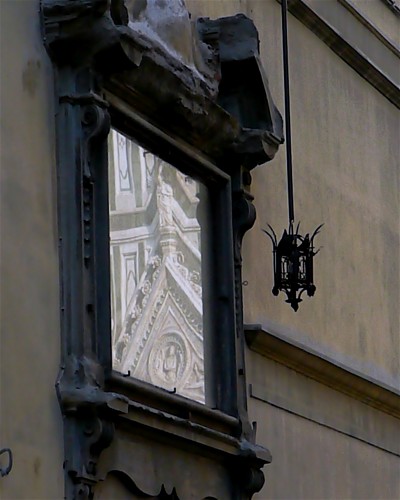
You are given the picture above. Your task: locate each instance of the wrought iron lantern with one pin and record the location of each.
(293, 254)
(293, 264)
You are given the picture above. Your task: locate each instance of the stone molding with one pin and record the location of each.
(360, 16)
(323, 369)
(353, 40)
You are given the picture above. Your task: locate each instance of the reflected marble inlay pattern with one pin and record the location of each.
(156, 276)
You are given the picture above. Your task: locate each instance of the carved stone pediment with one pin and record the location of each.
(204, 67)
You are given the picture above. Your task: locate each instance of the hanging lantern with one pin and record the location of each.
(293, 254)
(293, 264)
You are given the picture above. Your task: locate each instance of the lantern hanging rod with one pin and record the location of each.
(293, 253)
(288, 132)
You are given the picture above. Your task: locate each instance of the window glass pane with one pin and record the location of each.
(156, 271)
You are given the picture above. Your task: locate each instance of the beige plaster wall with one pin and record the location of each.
(324, 444)
(381, 16)
(312, 462)
(30, 419)
(346, 175)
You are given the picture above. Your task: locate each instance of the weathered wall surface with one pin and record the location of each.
(381, 16)
(30, 419)
(346, 157)
(346, 154)
(314, 462)
(325, 445)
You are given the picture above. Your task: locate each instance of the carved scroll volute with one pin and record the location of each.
(244, 213)
(94, 435)
(89, 415)
(253, 479)
(248, 474)
(96, 126)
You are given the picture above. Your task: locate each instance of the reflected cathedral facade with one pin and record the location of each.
(156, 282)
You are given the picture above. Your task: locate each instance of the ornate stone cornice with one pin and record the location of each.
(355, 40)
(135, 54)
(321, 368)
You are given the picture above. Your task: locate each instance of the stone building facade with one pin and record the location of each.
(139, 340)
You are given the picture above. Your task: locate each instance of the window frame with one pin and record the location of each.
(105, 72)
(220, 366)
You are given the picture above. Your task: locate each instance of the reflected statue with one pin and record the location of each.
(170, 365)
(165, 195)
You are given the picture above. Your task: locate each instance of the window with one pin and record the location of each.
(171, 267)
(156, 269)
(151, 218)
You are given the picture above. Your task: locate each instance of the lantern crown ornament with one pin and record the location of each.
(294, 253)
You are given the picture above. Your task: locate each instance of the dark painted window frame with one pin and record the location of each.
(104, 75)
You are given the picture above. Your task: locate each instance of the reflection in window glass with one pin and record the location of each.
(156, 280)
